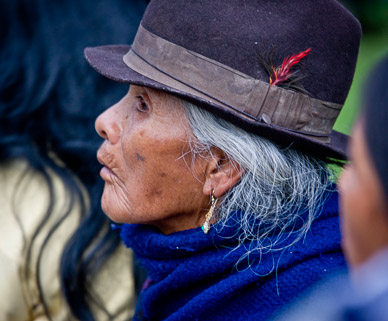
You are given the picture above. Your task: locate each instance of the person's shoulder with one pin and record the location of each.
(325, 301)
(32, 214)
(30, 200)
(114, 285)
(337, 299)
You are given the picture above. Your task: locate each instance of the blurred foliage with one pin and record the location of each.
(373, 15)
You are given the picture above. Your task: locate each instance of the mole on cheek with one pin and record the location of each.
(163, 174)
(140, 158)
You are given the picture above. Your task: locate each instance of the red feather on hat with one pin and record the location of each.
(283, 73)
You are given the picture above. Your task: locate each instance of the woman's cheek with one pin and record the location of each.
(344, 187)
(346, 190)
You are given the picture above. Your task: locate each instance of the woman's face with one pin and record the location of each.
(149, 173)
(364, 215)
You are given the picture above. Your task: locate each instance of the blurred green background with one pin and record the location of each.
(373, 15)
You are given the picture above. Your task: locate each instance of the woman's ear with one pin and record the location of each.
(221, 174)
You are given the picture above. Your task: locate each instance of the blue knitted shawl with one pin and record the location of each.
(197, 276)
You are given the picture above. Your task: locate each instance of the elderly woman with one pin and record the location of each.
(216, 159)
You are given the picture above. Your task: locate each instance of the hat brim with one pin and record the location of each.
(108, 61)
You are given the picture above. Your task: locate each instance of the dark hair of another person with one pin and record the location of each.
(376, 120)
(49, 100)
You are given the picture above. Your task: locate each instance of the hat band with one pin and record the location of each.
(195, 74)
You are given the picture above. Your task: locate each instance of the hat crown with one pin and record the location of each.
(237, 32)
(213, 54)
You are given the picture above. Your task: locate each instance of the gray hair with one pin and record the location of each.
(280, 189)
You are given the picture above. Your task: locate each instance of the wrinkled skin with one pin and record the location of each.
(150, 175)
(364, 214)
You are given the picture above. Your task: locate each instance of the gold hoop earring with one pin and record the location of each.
(208, 216)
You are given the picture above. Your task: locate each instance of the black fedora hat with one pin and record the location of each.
(227, 57)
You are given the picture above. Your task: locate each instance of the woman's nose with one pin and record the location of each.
(107, 125)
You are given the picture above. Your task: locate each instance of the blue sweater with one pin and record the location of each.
(193, 276)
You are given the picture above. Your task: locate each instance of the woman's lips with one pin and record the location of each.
(107, 174)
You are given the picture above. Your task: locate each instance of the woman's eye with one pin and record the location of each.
(141, 105)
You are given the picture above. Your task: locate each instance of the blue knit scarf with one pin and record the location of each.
(193, 276)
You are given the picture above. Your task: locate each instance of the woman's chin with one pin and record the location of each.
(111, 210)
(112, 204)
